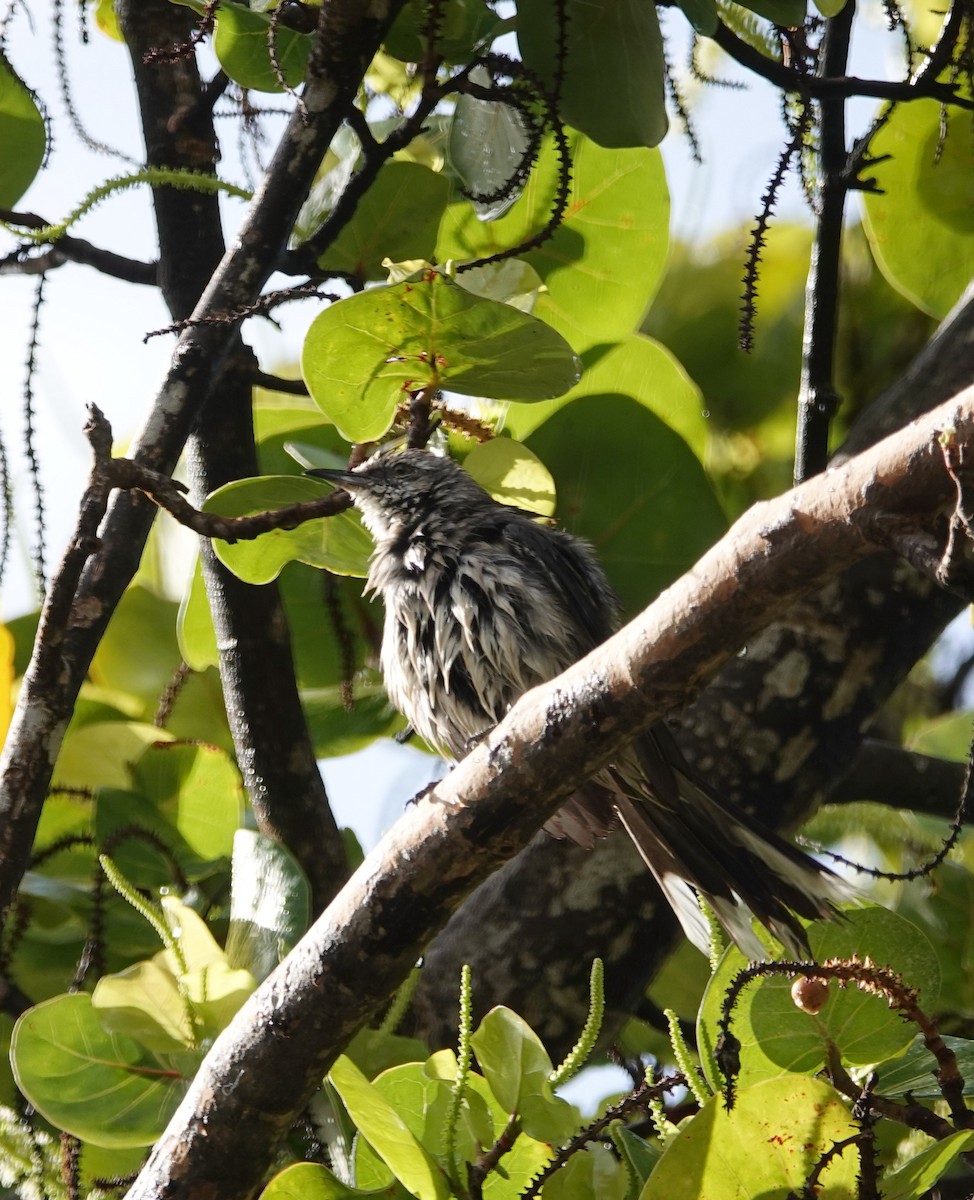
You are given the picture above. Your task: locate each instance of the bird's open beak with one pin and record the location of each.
(343, 479)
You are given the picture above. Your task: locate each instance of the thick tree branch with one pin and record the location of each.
(493, 802)
(348, 34)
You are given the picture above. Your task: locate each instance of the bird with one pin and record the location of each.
(483, 601)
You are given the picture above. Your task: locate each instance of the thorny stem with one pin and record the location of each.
(873, 980)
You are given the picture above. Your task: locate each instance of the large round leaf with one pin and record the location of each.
(777, 1037)
(197, 788)
(362, 355)
(513, 475)
(603, 264)
(241, 44)
(397, 218)
(188, 795)
(637, 367)
(22, 136)
(103, 1088)
(921, 226)
(767, 1146)
(617, 41)
(633, 488)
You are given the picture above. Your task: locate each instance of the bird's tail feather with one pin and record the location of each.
(700, 846)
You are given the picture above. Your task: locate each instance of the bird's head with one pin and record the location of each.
(400, 492)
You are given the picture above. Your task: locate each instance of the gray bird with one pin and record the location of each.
(483, 603)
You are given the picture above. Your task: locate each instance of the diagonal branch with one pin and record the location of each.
(489, 807)
(922, 83)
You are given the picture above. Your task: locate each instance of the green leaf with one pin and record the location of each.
(241, 46)
(632, 487)
(593, 1174)
(517, 1069)
(319, 648)
(830, 8)
(765, 1146)
(777, 1037)
(789, 13)
(513, 281)
(916, 1177)
(639, 368)
(99, 755)
(103, 1088)
(362, 355)
(184, 993)
(695, 317)
(615, 40)
(338, 543)
(107, 19)
(375, 1053)
(194, 625)
(914, 1072)
(145, 620)
(947, 736)
(513, 475)
(921, 227)
(270, 903)
(197, 789)
(309, 1181)
(335, 729)
(604, 262)
(144, 1002)
(388, 1133)
(486, 146)
(22, 135)
(463, 23)
(946, 914)
(639, 1155)
(397, 218)
(420, 1093)
(702, 15)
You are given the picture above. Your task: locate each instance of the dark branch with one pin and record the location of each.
(818, 399)
(888, 774)
(790, 80)
(71, 249)
(275, 383)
